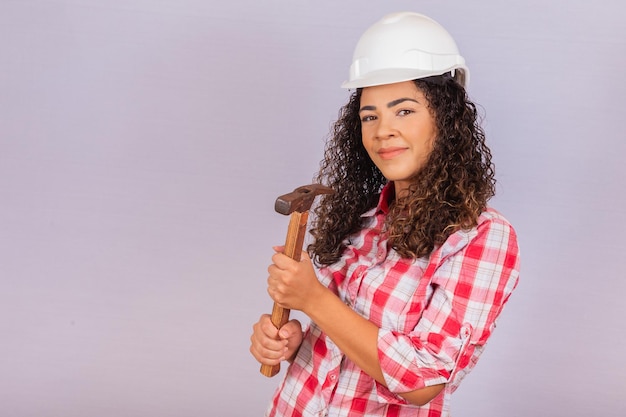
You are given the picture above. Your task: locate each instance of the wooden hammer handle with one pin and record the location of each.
(293, 249)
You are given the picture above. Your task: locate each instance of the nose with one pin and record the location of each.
(385, 128)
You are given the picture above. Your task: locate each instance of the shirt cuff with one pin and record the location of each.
(407, 367)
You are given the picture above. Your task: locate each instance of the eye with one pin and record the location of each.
(368, 118)
(405, 112)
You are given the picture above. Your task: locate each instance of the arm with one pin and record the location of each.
(357, 338)
(294, 285)
(468, 282)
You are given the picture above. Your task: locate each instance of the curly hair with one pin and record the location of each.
(448, 193)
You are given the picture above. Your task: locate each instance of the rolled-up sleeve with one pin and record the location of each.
(469, 279)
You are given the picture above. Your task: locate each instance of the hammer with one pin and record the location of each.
(297, 203)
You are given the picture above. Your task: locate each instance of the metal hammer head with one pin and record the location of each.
(300, 199)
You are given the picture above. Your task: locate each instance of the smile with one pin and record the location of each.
(390, 153)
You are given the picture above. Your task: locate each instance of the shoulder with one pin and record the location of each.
(492, 236)
(491, 215)
(484, 258)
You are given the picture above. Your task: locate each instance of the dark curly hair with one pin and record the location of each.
(447, 194)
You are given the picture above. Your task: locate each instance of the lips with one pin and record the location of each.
(391, 152)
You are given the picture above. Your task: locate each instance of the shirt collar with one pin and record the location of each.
(387, 195)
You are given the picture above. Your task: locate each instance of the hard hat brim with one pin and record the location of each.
(397, 75)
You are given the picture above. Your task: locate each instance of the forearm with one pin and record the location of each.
(357, 338)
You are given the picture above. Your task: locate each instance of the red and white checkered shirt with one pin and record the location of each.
(435, 315)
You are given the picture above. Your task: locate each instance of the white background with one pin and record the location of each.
(142, 146)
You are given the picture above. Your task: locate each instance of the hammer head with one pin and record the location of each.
(300, 199)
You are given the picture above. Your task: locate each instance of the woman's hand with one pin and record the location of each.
(292, 284)
(270, 345)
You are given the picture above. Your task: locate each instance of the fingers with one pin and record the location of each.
(292, 333)
(289, 281)
(265, 344)
(281, 275)
(283, 261)
(291, 329)
(275, 287)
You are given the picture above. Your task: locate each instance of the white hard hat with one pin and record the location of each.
(405, 46)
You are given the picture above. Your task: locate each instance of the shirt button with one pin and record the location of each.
(333, 377)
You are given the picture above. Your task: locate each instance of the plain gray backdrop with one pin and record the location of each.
(142, 146)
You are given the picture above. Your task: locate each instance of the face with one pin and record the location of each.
(398, 130)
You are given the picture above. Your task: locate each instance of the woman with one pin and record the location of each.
(412, 267)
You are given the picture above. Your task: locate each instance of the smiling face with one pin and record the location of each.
(398, 130)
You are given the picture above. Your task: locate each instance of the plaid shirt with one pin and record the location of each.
(435, 315)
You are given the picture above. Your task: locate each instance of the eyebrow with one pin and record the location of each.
(390, 104)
